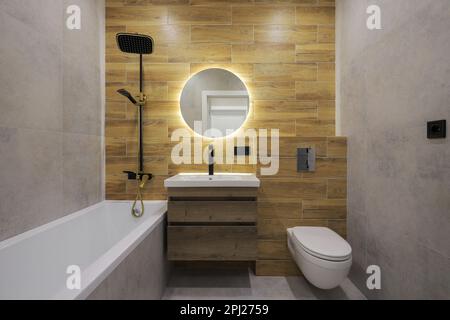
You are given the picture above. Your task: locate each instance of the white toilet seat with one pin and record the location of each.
(322, 243)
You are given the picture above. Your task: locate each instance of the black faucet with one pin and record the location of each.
(211, 160)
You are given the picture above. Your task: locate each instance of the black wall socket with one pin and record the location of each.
(437, 129)
(242, 151)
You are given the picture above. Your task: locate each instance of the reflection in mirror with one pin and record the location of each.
(215, 103)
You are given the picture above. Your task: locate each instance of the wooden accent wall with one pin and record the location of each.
(284, 50)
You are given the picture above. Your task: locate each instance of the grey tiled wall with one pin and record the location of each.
(392, 82)
(51, 111)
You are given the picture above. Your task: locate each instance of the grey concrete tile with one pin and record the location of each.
(271, 287)
(427, 275)
(31, 176)
(357, 223)
(44, 16)
(81, 171)
(82, 112)
(31, 77)
(81, 77)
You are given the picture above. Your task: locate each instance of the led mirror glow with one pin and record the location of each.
(215, 103)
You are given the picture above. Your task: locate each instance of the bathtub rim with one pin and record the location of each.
(102, 267)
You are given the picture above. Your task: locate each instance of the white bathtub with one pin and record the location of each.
(34, 265)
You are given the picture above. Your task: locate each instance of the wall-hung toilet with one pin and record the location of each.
(322, 255)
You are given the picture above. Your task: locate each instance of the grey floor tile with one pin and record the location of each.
(242, 284)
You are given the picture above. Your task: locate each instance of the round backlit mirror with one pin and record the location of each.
(215, 103)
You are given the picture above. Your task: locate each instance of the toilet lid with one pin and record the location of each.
(322, 243)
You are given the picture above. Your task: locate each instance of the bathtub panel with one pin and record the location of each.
(142, 275)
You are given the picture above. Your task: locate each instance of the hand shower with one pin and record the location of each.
(128, 95)
(137, 44)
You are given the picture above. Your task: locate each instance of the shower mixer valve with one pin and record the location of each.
(138, 176)
(142, 99)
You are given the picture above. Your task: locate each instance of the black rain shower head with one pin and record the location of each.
(128, 95)
(135, 43)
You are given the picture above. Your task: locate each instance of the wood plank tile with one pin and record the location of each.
(315, 90)
(166, 2)
(153, 130)
(287, 168)
(315, 15)
(315, 128)
(115, 110)
(175, 88)
(279, 110)
(324, 209)
(277, 209)
(326, 34)
(327, 110)
(272, 90)
(242, 70)
(222, 34)
(151, 148)
(290, 34)
(164, 34)
(115, 72)
(263, 53)
(328, 168)
(273, 250)
(286, 72)
(156, 165)
(136, 16)
(286, 127)
(156, 110)
(263, 15)
(326, 72)
(200, 52)
(337, 188)
(337, 147)
(276, 229)
(288, 2)
(220, 2)
(199, 15)
(159, 72)
(327, 3)
(315, 52)
(115, 147)
(115, 184)
(292, 188)
(110, 37)
(288, 146)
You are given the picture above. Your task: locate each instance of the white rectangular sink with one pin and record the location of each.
(219, 180)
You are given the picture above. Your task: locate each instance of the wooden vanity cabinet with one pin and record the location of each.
(212, 224)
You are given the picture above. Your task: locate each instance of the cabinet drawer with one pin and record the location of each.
(211, 243)
(208, 193)
(212, 211)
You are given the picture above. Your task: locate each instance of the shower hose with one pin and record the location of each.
(140, 180)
